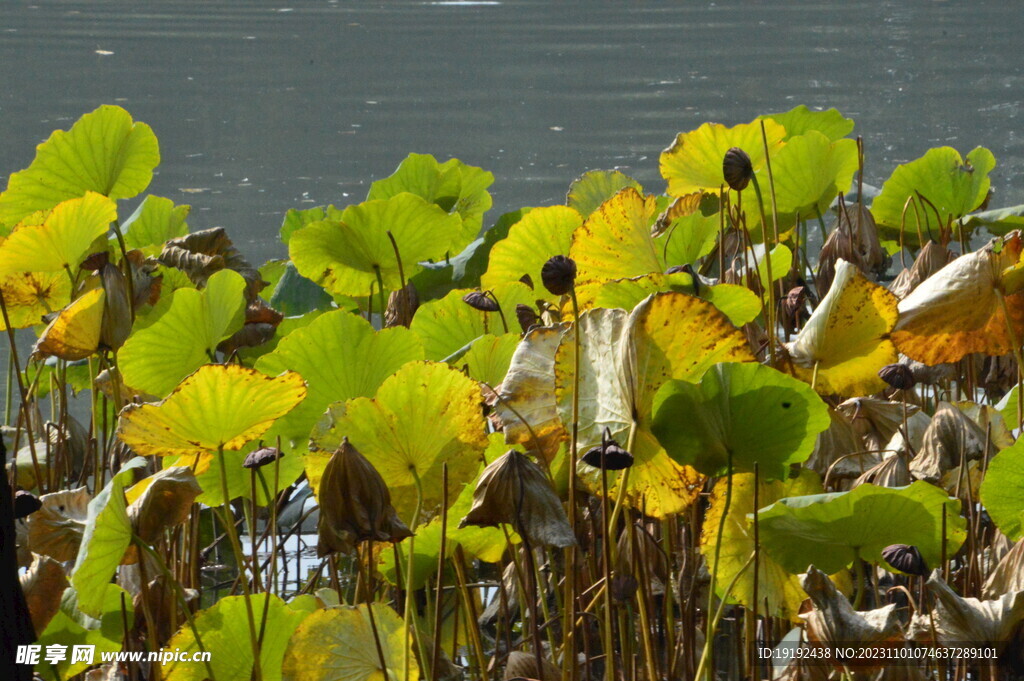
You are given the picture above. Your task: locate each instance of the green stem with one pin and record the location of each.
(383, 301)
(569, 608)
(411, 629)
(712, 622)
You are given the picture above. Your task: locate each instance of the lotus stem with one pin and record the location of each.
(236, 545)
(380, 291)
(436, 654)
(712, 623)
(398, 259)
(411, 628)
(569, 606)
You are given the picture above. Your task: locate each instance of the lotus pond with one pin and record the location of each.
(635, 436)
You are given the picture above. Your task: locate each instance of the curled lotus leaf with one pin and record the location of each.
(200, 254)
(340, 644)
(105, 151)
(75, 332)
(956, 620)
(217, 407)
(846, 341)
(161, 501)
(43, 583)
(962, 309)
(56, 529)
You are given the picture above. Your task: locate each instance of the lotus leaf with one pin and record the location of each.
(154, 222)
(339, 644)
(217, 407)
(801, 120)
(453, 186)
(106, 538)
(30, 295)
(753, 412)
(422, 417)
(161, 501)
(778, 589)
(62, 240)
(104, 152)
(296, 218)
(183, 335)
(489, 357)
(361, 359)
(588, 191)
(75, 333)
(694, 161)
(1003, 488)
(811, 170)
(224, 630)
(830, 531)
(541, 234)
(690, 237)
(43, 584)
(56, 529)
(846, 341)
(615, 241)
(71, 627)
(953, 186)
(958, 311)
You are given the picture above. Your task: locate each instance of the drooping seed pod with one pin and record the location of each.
(527, 317)
(355, 504)
(514, 490)
(737, 169)
(480, 300)
(905, 558)
(899, 376)
(262, 457)
(558, 274)
(25, 504)
(402, 305)
(608, 455)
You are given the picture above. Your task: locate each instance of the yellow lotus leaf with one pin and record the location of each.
(956, 311)
(338, 644)
(31, 295)
(615, 241)
(218, 406)
(63, 240)
(694, 161)
(541, 234)
(777, 588)
(75, 333)
(424, 416)
(624, 359)
(56, 529)
(847, 337)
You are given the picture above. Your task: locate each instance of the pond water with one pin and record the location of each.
(262, 106)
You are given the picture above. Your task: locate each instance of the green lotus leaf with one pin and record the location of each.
(340, 644)
(344, 256)
(811, 170)
(754, 412)
(777, 588)
(489, 357)
(220, 406)
(453, 186)
(690, 238)
(801, 120)
(594, 187)
(62, 240)
(155, 221)
(694, 161)
(624, 359)
(616, 242)
(487, 544)
(104, 152)
(184, 335)
(998, 221)
(422, 417)
(448, 325)
(107, 535)
(953, 185)
(541, 234)
(296, 218)
(1003, 489)
(294, 295)
(224, 631)
(360, 360)
(780, 259)
(290, 467)
(71, 627)
(830, 531)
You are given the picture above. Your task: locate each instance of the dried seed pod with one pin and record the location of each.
(527, 317)
(558, 274)
(261, 457)
(624, 587)
(737, 169)
(514, 490)
(117, 311)
(905, 558)
(480, 300)
(25, 504)
(609, 453)
(522, 665)
(899, 376)
(402, 305)
(355, 504)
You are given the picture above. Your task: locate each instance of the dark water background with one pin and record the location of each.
(264, 106)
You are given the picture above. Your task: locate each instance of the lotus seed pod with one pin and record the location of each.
(737, 169)
(905, 558)
(898, 376)
(25, 504)
(261, 457)
(479, 300)
(117, 311)
(609, 453)
(527, 317)
(558, 274)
